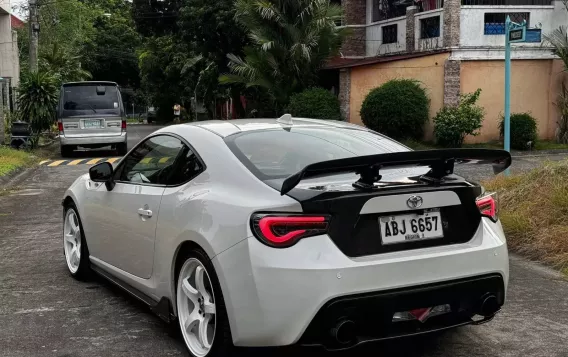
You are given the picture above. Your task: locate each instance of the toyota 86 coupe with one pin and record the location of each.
(275, 232)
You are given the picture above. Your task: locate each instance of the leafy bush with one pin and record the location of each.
(398, 108)
(523, 130)
(453, 124)
(37, 100)
(316, 103)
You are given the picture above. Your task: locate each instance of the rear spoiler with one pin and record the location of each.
(441, 164)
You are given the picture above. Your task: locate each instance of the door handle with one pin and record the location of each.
(145, 212)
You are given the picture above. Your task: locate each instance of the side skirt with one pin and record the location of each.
(161, 308)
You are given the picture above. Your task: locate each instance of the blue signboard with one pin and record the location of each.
(533, 35)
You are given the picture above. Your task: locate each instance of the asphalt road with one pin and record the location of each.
(44, 312)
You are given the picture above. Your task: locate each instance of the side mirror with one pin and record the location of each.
(102, 172)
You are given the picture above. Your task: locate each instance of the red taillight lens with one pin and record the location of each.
(285, 230)
(123, 125)
(487, 205)
(60, 126)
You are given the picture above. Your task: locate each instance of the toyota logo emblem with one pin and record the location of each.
(414, 202)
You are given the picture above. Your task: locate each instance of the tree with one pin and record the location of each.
(290, 41)
(111, 54)
(65, 66)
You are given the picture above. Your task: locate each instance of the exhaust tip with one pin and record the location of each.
(489, 305)
(344, 332)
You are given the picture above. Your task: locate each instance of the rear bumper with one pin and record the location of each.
(275, 296)
(93, 140)
(371, 314)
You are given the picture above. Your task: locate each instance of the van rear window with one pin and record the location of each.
(88, 98)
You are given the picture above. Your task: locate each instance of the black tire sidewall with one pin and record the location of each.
(84, 263)
(223, 342)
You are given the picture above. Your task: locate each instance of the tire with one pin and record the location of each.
(221, 343)
(66, 150)
(72, 238)
(122, 149)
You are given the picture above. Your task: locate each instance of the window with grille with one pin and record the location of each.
(390, 34)
(495, 21)
(430, 27)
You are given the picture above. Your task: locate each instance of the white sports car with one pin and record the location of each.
(291, 231)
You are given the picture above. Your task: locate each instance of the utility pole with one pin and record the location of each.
(34, 34)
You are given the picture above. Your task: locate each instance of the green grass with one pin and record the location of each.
(550, 145)
(11, 160)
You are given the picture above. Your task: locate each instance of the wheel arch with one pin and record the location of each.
(182, 250)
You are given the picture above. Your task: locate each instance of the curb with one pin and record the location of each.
(8, 180)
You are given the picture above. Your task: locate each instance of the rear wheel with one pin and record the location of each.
(122, 149)
(66, 150)
(201, 309)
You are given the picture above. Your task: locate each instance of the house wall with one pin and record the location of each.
(426, 44)
(535, 85)
(473, 25)
(429, 70)
(9, 61)
(374, 32)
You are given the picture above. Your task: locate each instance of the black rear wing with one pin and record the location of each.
(441, 164)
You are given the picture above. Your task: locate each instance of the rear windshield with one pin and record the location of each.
(273, 154)
(85, 99)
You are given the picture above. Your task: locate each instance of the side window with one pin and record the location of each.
(187, 167)
(152, 161)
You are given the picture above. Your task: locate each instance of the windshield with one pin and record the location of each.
(84, 99)
(285, 152)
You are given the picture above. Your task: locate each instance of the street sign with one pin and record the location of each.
(533, 35)
(517, 35)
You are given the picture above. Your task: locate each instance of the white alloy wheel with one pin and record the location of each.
(196, 307)
(72, 240)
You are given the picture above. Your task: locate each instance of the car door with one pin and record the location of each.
(124, 219)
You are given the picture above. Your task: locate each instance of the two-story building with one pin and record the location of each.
(452, 47)
(9, 58)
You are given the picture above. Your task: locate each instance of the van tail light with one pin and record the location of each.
(123, 126)
(487, 205)
(60, 126)
(285, 230)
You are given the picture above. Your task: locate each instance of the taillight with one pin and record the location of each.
(123, 125)
(284, 230)
(60, 126)
(487, 205)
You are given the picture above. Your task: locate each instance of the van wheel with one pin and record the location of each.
(122, 149)
(66, 150)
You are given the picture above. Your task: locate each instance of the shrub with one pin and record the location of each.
(37, 100)
(523, 130)
(398, 108)
(316, 103)
(453, 124)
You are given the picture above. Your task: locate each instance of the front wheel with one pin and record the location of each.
(201, 309)
(74, 244)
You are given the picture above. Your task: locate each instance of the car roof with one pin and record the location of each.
(89, 82)
(225, 128)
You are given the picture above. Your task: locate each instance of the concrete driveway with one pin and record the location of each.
(44, 312)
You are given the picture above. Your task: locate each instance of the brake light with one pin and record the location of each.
(285, 230)
(60, 126)
(487, 205)
(123, 125)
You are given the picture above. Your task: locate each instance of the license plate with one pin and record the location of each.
(411, 227)
(91, 124)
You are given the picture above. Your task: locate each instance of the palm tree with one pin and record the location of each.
(64, 64)
(291, 40)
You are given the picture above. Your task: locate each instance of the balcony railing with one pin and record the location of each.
(507, 2)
